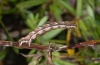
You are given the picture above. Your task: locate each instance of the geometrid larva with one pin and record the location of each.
(46, 27)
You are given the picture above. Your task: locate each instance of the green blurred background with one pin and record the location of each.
(19, 17)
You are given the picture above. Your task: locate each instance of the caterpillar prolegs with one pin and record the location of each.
(46, 27)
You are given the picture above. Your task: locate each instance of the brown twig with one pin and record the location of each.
(24, 46)
(41, 47)
(48, 49)
(49, 55)
(79, 45)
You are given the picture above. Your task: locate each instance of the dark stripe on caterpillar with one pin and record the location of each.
(42, 29)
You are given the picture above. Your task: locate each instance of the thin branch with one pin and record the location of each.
(54, 48)
(24, 46)
(49, 55)
(79, 45)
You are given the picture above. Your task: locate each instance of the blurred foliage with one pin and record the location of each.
(26, 15)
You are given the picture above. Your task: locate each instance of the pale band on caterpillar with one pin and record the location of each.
(42, 29)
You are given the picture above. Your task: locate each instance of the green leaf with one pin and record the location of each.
(42, 21)
(67, 6)
(31, 52)
(79, 8)
(83, 29)
(92, 29)
(2, 54)
(51, 34)
(16, 50)
(92, 3)
(56, 12)
(31, 3)
(55, 54)
(60, 62)
(90, 11)
(32, 20)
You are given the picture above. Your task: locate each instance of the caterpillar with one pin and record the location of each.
(46, 27)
